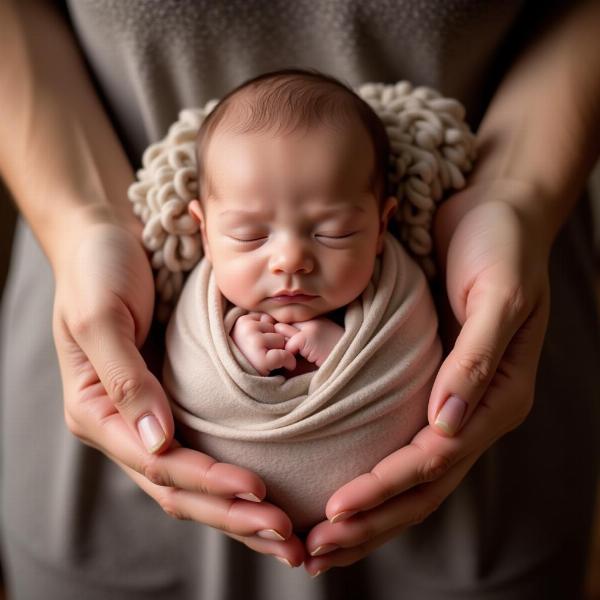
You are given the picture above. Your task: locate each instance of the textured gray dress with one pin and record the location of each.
(74, 526)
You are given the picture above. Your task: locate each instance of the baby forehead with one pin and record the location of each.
(272, 172)
(318, 154)
(232, 212)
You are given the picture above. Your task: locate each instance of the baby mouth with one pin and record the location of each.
(285, 296)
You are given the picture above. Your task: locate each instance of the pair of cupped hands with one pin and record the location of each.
(493, 255)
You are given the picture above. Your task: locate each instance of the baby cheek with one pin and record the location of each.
(352, 278)
(238, 281)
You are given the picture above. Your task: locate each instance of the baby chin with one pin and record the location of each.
(292, 313)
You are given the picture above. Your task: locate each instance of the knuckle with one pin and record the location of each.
(244, 324)
(203, 485)
(81, 324)
(155, 474)
(168, 502)
(476, 366)
(433, 468)
(73, 425)
(89, 317)
(515, 301)
(226, 520)
(385, 488)
(123, 387)
(366, 531)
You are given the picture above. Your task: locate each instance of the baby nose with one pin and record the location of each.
(291, 257)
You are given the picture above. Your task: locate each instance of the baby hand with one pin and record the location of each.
(314, 339)
(255, 336)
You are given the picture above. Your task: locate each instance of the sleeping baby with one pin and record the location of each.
(304, 344)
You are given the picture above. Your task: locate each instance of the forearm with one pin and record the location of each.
(59, 154)
(541, 129)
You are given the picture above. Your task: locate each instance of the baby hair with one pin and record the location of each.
(288, 100)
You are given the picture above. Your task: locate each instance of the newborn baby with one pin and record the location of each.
(304, 344)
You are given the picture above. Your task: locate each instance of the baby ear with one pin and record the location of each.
(387, 210)
(195, 211)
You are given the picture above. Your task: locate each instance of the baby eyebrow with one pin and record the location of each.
(238, 212)
(343, 210)
(322, 214)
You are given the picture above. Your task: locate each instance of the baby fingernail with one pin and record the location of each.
(151, 433)
(270, 534)
(342, 515)
(285, 561)
(451, 415)
(248, 496)
(324, 549)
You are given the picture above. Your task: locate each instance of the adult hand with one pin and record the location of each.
(102, 314)
(495, 251)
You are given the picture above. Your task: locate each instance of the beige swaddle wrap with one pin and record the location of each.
(309, 434)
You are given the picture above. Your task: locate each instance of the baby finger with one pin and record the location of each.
(273, 340)
(296, 343)
(277, 359)
(286, 329)
(266, 318)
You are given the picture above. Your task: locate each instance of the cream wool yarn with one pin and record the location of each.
(432, 149)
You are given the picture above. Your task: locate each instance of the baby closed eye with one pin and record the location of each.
(248, 236)
(248, 239)
(335, 236)
(337, 240)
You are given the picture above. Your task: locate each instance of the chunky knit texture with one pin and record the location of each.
(432, 149)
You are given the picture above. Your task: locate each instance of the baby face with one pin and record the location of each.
(290, 223)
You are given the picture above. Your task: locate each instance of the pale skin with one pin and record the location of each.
(526, 182)
(287, 214)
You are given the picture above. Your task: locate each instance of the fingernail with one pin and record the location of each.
(285, 561)
(248, 496)
(341, 516)
(324, 549)
(151, 433)
(319, 572)
(270, 534)
(451, 414)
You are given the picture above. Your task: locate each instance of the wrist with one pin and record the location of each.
(529, 201)
(62, 234)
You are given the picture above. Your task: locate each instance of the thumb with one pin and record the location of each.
(469, 368)
(133, 389)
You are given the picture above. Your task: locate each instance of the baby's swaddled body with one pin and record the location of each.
(307, 435)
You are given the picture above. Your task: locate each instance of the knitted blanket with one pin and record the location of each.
(307, 435)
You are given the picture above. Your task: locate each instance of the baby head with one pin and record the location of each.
(292, 203)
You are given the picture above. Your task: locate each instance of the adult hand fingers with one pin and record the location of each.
(100, 425)
(467, 371)
(350, 540)
(429, 456)
(107, 341)
(291, 552)
(234, 516)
